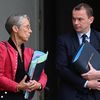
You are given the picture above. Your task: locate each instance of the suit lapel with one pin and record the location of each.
(94, 40)
(75, 41)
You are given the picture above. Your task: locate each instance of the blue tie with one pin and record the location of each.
(84, 38)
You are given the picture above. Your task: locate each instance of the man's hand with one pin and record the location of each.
(93, 84)
(92, 74)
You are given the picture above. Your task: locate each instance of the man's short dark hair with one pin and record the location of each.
(88, 8)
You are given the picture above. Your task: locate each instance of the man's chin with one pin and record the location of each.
(78, 31)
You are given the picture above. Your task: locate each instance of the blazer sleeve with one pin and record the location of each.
(43, 79)
(5, 83)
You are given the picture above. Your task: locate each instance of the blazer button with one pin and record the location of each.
(2, 96)
(5, 92)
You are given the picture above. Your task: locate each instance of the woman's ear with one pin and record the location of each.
(15, 28)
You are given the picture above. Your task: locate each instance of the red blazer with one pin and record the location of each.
(8, 67)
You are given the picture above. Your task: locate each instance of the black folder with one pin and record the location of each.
(86, 53)
(36, 67)
(38, 70)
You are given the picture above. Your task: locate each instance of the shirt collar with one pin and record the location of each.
(88, 34)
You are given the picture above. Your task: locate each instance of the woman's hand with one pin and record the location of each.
(34, 85)
(23, 85)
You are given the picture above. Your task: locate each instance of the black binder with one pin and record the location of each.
(38, 70)
(86, 53)
(36, 67)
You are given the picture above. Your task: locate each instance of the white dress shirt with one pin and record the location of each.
(80, 41)
(80, 36)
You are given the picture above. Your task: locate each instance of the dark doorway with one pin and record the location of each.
(57, 20)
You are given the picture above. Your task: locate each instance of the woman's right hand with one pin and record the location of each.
(22, 85)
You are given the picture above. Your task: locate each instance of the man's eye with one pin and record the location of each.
(80, 19)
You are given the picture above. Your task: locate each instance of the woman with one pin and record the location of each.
(15, 60)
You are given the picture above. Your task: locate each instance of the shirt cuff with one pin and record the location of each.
(85, 85)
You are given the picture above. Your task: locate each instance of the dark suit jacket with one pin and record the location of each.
(71, 85)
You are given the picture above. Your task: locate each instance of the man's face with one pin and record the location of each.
(81, 21)
(24, 31)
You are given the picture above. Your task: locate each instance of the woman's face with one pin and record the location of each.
(24, 31)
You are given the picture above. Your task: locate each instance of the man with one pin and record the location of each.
(15, 60)
(72, 85)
